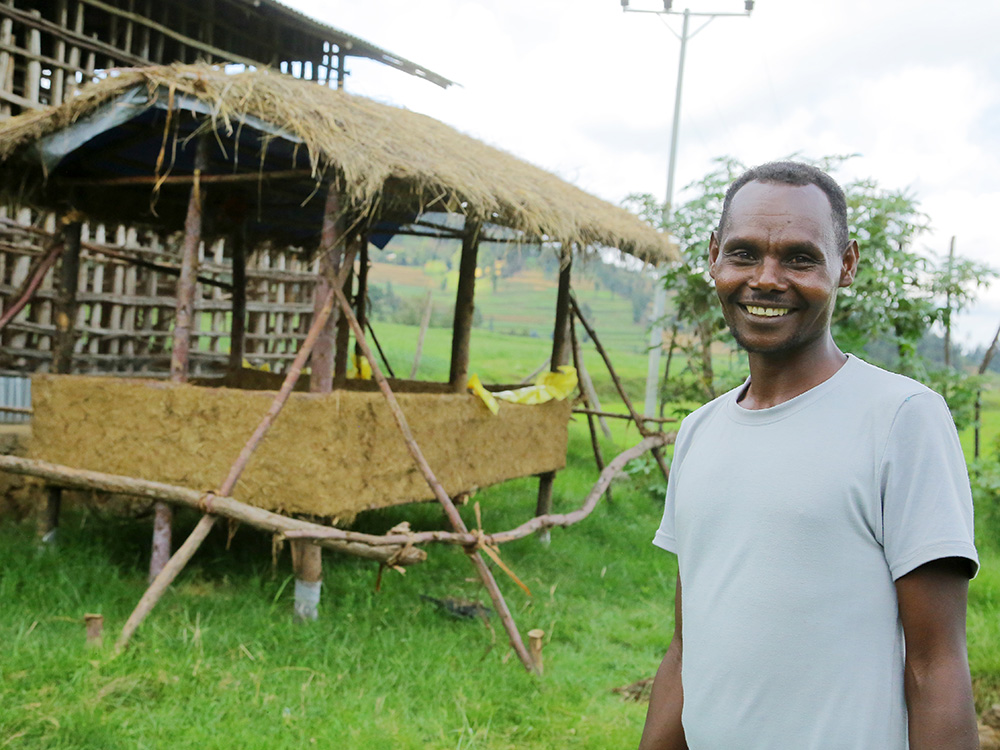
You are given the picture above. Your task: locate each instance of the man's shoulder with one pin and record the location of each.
(870, 384)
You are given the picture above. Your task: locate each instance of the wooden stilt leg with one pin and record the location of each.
(48, 526)
(307, 561)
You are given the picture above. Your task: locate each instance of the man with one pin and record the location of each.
(820, 513)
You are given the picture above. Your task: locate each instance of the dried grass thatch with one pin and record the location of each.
(384, 156)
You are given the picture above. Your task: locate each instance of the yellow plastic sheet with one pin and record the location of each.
(477, 387)
(360, 369)
(549, 386)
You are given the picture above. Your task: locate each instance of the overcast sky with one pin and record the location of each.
(586, 91)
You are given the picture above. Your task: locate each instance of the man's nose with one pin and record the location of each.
(769, 276)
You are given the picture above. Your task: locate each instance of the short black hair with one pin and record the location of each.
(794, 173)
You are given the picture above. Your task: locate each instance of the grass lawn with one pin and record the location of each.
(219, 664)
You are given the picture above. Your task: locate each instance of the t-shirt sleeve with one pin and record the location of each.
(665, 537)
(926, 500)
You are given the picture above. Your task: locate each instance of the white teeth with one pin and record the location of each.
(768, 312)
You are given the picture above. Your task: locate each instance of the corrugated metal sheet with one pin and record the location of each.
(14, 392)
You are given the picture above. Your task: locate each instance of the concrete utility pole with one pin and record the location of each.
(660, 294)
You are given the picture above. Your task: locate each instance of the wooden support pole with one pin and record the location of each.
(329, 252)
(65, 310)
(385, 360)
(560, 350)
(65, 302)
(307, 562)
(48, 529)
(361, 298)
(485, 575)
(594, 443)
(180, 351)
(186, 282)
(464, 306)
(191, 544)
(238, 330)
(343, 353)
(638, 420)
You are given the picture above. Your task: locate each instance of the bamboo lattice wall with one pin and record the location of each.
(126, 310)
(48, 48)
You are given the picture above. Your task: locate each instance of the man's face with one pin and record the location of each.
(777, 267)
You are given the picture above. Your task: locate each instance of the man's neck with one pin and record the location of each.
(776, 378)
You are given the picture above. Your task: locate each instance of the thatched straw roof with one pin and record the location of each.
(389, 162)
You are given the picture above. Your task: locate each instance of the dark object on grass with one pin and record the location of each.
(638, 691)
(460, 607)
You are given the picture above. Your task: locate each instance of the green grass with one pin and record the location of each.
(219, 663)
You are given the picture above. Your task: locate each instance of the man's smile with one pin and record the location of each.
(766, 312)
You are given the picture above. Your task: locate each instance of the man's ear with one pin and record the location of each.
(849, 267)
(713, 254)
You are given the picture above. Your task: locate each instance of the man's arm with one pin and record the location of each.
(932, 601)
(663, 730)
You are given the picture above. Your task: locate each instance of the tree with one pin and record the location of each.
(696, 314)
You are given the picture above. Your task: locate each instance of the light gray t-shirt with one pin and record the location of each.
(791, 525)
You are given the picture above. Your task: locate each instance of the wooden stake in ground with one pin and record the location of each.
(499, 603)
(191, 544)
(95, 630)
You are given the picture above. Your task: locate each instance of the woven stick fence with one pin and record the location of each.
(127, 295)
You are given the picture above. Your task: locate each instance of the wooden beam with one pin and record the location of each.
(188, 179)
(51, 61)
(70, 36)
(227, 507)
(461, 332)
